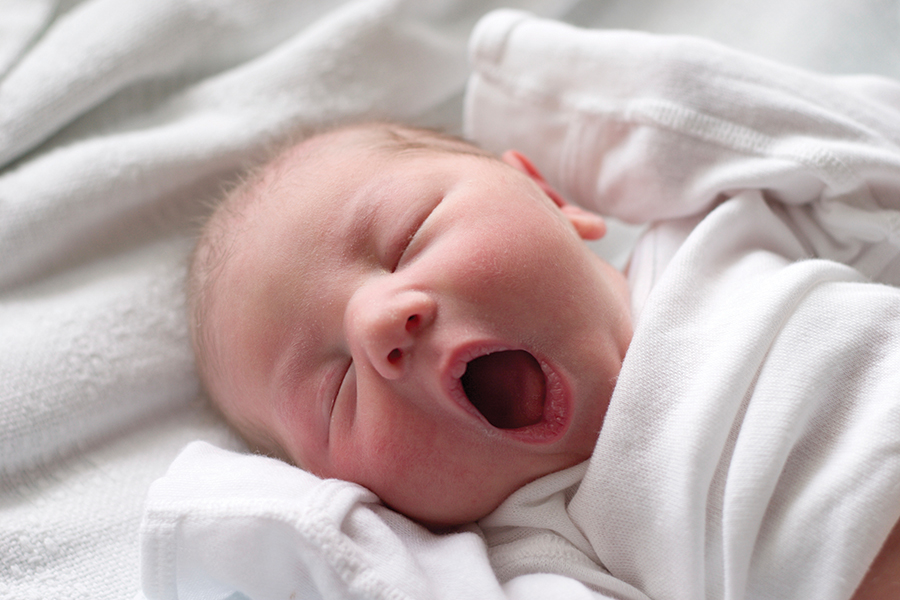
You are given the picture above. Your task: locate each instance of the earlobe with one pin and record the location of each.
(590, 226)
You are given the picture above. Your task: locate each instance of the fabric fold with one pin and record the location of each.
(736, 459)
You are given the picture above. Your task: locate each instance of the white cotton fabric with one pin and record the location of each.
(221, 522)
(752, 445)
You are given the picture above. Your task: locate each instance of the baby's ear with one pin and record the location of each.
(590, 226)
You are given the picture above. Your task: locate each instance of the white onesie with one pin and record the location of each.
(752, 446)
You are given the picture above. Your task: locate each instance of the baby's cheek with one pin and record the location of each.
(388, 453)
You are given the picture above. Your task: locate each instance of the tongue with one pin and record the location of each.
(507, 387)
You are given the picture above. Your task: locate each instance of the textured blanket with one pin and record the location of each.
(119, 121)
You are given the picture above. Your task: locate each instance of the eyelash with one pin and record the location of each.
(403, 248)
(340, 386)
(407, 241)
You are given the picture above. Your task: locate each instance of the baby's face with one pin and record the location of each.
(360, 299)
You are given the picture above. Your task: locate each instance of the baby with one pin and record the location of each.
(392, 307)
(399, 308)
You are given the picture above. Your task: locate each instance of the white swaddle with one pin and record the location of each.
(751, 448)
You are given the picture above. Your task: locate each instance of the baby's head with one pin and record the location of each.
(394, 307)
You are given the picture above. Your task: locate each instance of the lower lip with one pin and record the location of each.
(557, 407)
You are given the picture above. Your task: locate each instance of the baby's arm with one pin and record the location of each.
(647, 127)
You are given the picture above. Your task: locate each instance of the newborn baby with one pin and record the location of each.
(398, 308)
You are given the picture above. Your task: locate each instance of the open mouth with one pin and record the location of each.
(508, 388)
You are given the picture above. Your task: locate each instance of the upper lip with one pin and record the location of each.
(557, 408)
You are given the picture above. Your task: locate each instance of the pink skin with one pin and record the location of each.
(345, 345)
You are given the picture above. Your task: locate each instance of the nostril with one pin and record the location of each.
(412, 323)
(395, 355)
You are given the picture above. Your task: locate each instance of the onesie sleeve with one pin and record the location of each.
(646, 127)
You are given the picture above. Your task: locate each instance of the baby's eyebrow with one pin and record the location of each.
(361, 216)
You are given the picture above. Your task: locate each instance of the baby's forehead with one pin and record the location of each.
(298, 167)
(309, 184)
(312, 174)
(383, 140)
(316, 177)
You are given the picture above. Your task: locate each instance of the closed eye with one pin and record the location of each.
(404, 247)
(340, 387)
(407, 240)
(338, 392)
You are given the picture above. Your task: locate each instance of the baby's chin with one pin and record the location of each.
(458, 506)
(450, 513)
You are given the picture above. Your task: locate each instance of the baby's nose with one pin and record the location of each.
(388, 328)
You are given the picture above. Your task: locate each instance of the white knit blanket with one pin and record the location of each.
(118, 120)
